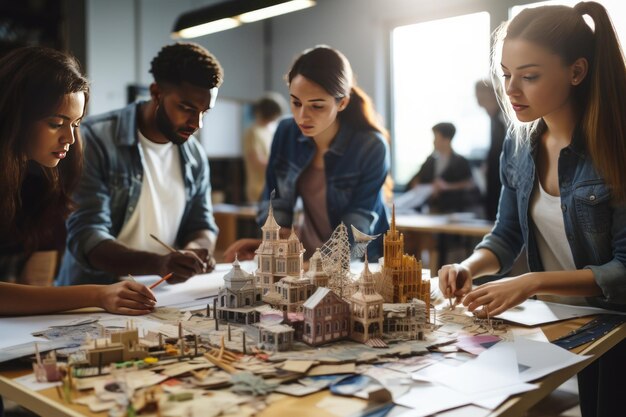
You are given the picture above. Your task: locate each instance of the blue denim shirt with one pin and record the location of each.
(356, 166)
(109, 190)
(595, 227)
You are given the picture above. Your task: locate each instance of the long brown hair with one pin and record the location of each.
(600, 97)
(33, 81)
(331, 70)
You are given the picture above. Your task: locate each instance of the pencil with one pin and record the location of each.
(165, 278)
(171, 249)
(165, 245)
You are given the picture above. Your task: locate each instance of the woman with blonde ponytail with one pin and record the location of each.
(332, 153)
(563, 198)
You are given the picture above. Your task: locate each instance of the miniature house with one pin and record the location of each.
(276, 337)
(123, 346)
(238, 297)
(289, 294)
(277, 258)
(326, 317)
(405, 320)
(366, 316)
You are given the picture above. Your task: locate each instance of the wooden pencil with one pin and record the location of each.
(165, 278)
(165, 245)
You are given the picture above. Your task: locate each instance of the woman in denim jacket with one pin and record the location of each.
(564, 188)
(332, 153)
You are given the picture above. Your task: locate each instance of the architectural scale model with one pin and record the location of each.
(276, 310)
(277, 258)
(326, 303)
(239, 296)
(402, 273)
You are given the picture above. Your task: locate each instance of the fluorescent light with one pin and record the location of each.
(228, 14)
(206, 28)
(278, 9)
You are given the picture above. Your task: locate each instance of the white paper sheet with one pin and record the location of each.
(413, 198)
(17, 330)
(490, 378)
(535, 312)
(494, 369)
(532, 333)
(30, 382)
(426, 399)
(195, 290)
(543, 358)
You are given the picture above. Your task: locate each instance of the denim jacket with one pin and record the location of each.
(595, 227)
(356, 166)
(110, 187)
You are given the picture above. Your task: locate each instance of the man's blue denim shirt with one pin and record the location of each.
(595, 227)
(109, 190)
(356, 166)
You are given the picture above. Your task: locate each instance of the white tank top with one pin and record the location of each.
(554, 250)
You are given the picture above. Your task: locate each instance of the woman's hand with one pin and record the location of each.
(126, 297)
(243, 249)
(499, 296)
(455, 280)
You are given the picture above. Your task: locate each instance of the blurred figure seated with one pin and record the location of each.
(444, 182)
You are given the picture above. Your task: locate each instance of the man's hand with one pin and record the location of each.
(243, 248)
(182, 264)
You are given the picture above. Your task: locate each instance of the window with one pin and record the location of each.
(435, 67)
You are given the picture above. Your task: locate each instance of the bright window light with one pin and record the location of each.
(435, 67)
(282, 8)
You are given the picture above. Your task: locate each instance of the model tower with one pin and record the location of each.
(366, 318)
(316, 274)
(277, 258)
(402, 273)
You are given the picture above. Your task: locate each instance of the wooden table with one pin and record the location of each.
(421, 232)
(48, 404)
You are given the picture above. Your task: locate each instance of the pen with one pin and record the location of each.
(165, 278)
(171, 249)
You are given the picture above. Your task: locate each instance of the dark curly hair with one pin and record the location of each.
(187, 62)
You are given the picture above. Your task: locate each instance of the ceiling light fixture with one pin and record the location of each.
(232, 13)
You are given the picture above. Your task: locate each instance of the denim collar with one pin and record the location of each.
(127, 126)
(577, 145)
(339, 144)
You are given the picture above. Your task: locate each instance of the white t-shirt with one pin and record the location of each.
(162, 199)
(554, 249)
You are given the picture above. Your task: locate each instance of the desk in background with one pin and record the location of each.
(228, 218)
(421, 230)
